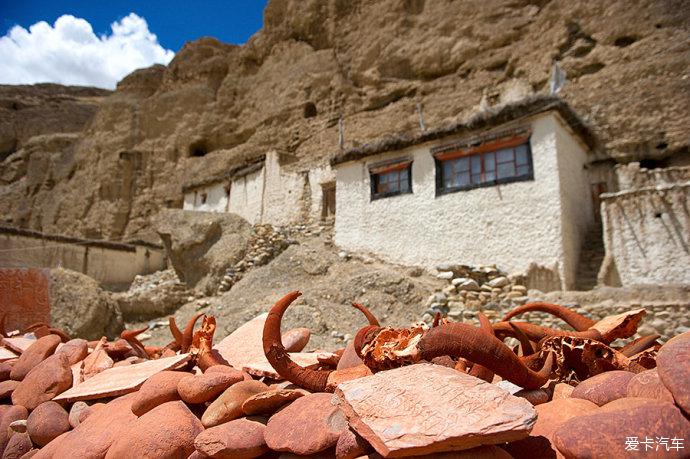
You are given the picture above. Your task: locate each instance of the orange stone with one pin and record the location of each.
(47, 422)
(207, 386)
(50, 378)
(158, 389)
(673, 366)
(228, 405)
(295, 340)
(604, 387)
(648, 385)
(268, 402)
(35, 354)
(238, 439)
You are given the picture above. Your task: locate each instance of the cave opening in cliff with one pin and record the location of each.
(198, 149)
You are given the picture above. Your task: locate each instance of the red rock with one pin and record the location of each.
(50, 378)
(18, 426)
(308, 425)
(158, 389)
(350, 445)
(75, 412)
(228, 405)
(31, 453)
(18, 445)
(207, 386)
(454, 411)
(535, 397)
(268, 402)
(86, 412)
(47, 422)
(92, 438)
(76, 349)
(244, 345)
(238, 439)
(562, 390)
(346, 374)
(7, 387)
(6, 369)
(604, 387)
(550, 416)
(604, 433)
(167, 431)
(626, 403)
(35, 354)
(648, 385)
(673, 366)
(48, 451)
(7, 417)
(295, 340)
(95, 363)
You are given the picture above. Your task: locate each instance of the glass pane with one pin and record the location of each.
(489, 161)
(489, 176)
(505, 170)
(404, 185)
(521, 155)
(463, 164)
(403, 175)
(523, 170)
(476, 178)
(476, 162)
(463, 179)
(504, 155)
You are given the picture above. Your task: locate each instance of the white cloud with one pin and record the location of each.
(70, 53)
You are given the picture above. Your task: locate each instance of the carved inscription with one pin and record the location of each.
(24, 296)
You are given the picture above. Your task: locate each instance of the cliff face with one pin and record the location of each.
(372, 63)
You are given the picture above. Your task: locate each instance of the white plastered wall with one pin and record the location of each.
(513, 225)
(246, 196)
(283, 193)
(576, 199)
(317, 177)
(216, 198)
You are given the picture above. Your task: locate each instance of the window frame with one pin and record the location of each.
(375, 171)
(482, 150)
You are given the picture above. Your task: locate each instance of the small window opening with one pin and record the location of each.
(198, 149)
(391, 180)
(625, 41)
(204, 197)
(310, 110)
(658, 215)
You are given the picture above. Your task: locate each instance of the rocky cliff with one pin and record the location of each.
(374, 64)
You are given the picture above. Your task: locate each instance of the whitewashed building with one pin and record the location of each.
(509, 186)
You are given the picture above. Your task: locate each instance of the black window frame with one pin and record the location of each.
(374, 180)
(442, 190)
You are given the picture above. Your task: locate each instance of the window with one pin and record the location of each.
(502, 161)
(391, 179)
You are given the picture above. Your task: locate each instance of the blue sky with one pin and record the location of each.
(97, 42)
(173, 21)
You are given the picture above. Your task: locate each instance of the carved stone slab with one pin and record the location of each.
(261, 368)
(244, 345)
(17, 344)
(24, 296)
(120, 380)
(425, 408)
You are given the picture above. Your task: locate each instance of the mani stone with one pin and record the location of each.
(35, 354)
(426, 408)
(673, 366)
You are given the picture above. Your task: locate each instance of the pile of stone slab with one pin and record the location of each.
(79, 399)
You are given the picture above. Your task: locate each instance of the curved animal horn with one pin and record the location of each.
(536, 333)
(639, 345)
(131, 337)
(572, 318)
(525, 343)
(477, 370)
(313, 380)
(188, 334)
(177, 334)
(367, 313)
(462, 340)
(363, 337)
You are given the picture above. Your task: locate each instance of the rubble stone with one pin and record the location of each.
(18, 445)
(270, 401)
(648, 385)
(76, 350)
(158, 389)
(37, 353)
(673, 365)
(228, 405)
(7, 417)
(454, 410)
(604, 387)
(47, 380)
(308, 425)
(7, 387)
(47, 422)
(238, 439)
(167, 431)
(205, 387)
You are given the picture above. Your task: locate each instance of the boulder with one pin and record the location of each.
(158, 389)
(18, 445)
(47, 380)
(80, 307)
(92, 438)
(604, 387)
(648, 385)
(454, 410)
(605, 433)
(673, 366)
(207, 386)
(47, 422)
(228, 405)
(35, 354)
(238, 439)
(308, 425)
(201, 246)
(167, 431)
(76, 349)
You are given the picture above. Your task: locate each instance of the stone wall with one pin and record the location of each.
(112, 264)
(647, 228)
(517, 224)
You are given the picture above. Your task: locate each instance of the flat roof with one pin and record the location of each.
(247, 167)
(127, 247)
(490, 118)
